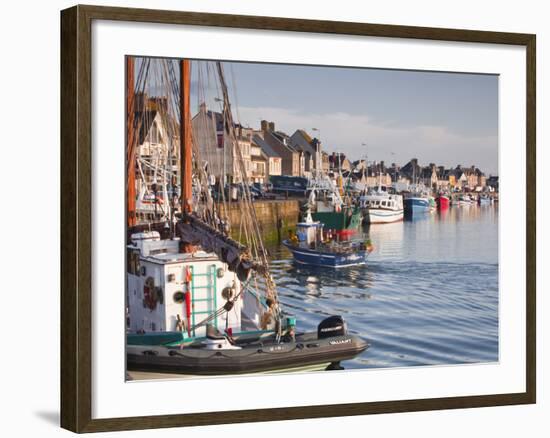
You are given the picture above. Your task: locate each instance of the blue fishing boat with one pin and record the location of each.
(416, 204)
(317, 257)
(310, 246)
(484, 200)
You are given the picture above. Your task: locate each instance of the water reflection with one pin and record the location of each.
(428, 295)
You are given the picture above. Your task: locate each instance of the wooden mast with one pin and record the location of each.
(130, 147)
(186, 154)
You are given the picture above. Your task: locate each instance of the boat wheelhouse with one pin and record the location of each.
(170, 290)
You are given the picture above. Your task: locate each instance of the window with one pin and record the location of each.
(132, 260)
(179, 297)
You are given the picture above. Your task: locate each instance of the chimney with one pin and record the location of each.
(264, 125)
(272, 126)
(202, 107)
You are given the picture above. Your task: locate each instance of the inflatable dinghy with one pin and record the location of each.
(249, 352)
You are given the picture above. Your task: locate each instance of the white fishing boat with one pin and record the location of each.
(379, 206)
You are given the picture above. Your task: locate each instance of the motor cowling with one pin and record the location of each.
(332, 326)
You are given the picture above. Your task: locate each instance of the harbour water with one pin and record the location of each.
(428, 295)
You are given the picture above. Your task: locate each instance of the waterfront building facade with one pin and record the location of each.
(217, 151)
(273, 159)
(292, 161)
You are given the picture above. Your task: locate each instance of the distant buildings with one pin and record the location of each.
(339, 162)
(439, 178)
(269, 152)
(492, 182)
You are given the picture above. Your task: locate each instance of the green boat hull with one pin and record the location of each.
(342, 220)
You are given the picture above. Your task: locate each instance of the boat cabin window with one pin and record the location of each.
(179, 297)
(132, 262)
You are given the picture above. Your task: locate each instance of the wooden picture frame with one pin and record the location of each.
(76, 226)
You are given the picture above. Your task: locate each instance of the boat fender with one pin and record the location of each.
(188, 274)
(227, 293)
(188, 310)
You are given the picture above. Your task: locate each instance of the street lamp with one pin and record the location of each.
(319, 131)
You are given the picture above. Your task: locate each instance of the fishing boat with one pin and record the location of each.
(442, 201)
(198, 301)
(417, 200)
(379, 206)
(484, 200)
(311, 246)
(416, 205)
(465, 200)
(344, 222)
(326, 205)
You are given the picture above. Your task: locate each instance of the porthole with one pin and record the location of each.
(179, 297)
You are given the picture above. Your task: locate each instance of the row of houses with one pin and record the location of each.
(433, 176)
(270, 152)
(265, 151)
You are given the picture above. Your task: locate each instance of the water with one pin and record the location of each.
(428, 295)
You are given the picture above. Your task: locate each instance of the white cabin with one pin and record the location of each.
(160, 276)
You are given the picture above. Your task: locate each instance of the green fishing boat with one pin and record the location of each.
(348, 218)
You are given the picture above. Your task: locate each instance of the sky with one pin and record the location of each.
(382, 115)
(390, 115)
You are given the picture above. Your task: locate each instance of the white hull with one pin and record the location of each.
(381, 207)
(384, 216)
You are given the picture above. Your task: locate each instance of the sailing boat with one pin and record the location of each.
(200, 302)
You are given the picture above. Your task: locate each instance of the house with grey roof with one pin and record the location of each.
(291, 159)
(310, 147)
(217, 150)
(272, 158)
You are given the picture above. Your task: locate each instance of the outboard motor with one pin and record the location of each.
(332, 326)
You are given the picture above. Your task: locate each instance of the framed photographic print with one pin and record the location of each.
(268, 218)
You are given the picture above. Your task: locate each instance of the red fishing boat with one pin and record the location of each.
(442, 202)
